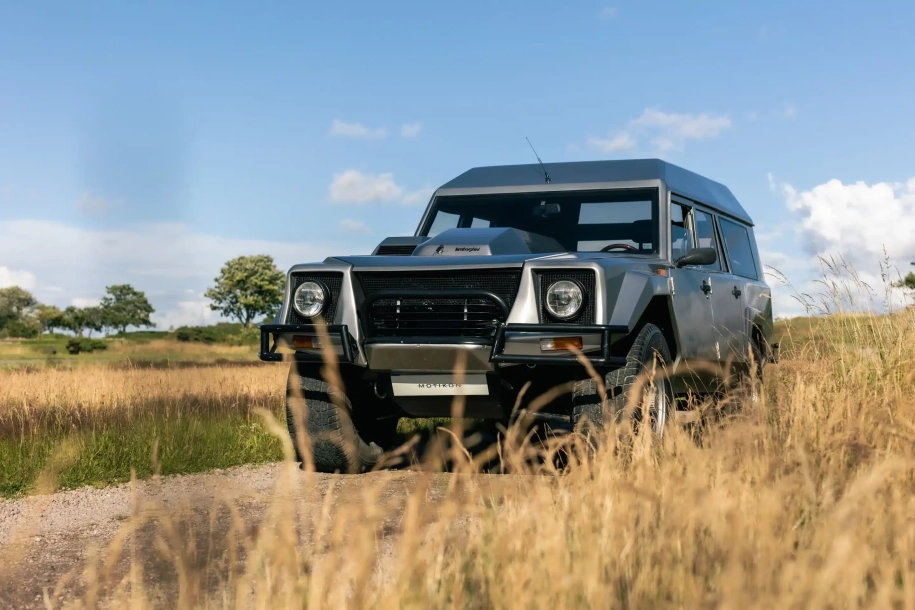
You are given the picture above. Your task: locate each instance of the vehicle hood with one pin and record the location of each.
(477, 248)
(501, 261)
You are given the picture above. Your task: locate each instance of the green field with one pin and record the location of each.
(222, 342)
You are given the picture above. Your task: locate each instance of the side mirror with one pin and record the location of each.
(698, 257)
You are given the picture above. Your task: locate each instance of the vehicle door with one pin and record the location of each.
(721, 341)
(745, 275)
(692, 305)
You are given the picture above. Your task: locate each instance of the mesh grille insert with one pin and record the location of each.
(437, 316)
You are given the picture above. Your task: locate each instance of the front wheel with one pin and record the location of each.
(644, 377)
(343, 437)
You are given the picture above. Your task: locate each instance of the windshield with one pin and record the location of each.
(592, 221)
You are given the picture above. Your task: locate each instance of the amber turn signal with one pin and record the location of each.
(560, 343)
(305, 342)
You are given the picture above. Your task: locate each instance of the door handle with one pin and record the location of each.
(736, 292)
(706, 287)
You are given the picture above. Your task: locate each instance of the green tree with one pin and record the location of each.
(15, 305)
(80, 319)
(906, 282)
(74, 320)
(247, 287)
(124, 306)
(50, 318)
(94, 319)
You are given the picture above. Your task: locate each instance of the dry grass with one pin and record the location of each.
(804, 499)
(200, 418)
(176, 349)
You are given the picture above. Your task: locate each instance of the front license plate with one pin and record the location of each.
(439, 385)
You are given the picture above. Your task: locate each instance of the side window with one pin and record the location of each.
(681, 235)
(740, 253)
(705, 236)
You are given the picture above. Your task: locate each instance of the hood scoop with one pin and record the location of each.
(487, 242)
(398, 246)
(470, 242)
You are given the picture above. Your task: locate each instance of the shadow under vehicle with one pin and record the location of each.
(514, 275)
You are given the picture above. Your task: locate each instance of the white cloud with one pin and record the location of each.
(667, 131)
(419, 196)
(410, 130)
(84, 302)
(608, 11)
(622, 141)
(93, 205)
(353, 186)
(354, 226)
(672, 129)
(789, 111)
(857, 221)
(356, 130)
(858, 228)
(187, 313)
(13, 277)
(163, 260)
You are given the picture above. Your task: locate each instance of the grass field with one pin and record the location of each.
(52, 350)
(804, 498)
(197, 417)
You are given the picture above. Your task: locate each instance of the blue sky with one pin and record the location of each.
(148, 142)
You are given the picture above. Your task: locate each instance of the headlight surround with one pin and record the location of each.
(564, 299)
(309, 299)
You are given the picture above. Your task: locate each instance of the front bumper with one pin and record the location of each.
(512, 344)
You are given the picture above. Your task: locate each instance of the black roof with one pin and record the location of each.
(677, 179)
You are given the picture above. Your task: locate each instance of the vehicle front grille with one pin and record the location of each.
(437, 303)
(585, 277)
(332, 281)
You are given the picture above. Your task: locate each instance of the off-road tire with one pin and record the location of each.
(621, 384)
(341, 439)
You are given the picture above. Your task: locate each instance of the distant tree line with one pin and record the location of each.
(247, 288)
(21, 315)
(906, 282)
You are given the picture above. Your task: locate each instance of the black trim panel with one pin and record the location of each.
(268, 353)
(603, 358)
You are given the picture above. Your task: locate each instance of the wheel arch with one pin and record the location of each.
(658, 311)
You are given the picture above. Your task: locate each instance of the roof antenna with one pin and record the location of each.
(546, 176)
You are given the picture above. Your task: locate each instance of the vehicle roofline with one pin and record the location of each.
(571, 187)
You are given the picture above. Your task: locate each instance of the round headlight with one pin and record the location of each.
(564, 299)
(309, 299)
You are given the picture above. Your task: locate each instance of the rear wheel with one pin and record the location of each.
(342, 425)
(627, 385)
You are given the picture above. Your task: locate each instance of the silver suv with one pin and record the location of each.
(515, 276)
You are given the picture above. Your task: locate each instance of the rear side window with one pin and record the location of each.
(705, 236)
(740, 253)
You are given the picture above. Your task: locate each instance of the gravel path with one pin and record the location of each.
(42, 538)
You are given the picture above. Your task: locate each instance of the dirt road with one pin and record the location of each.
(43, 538)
